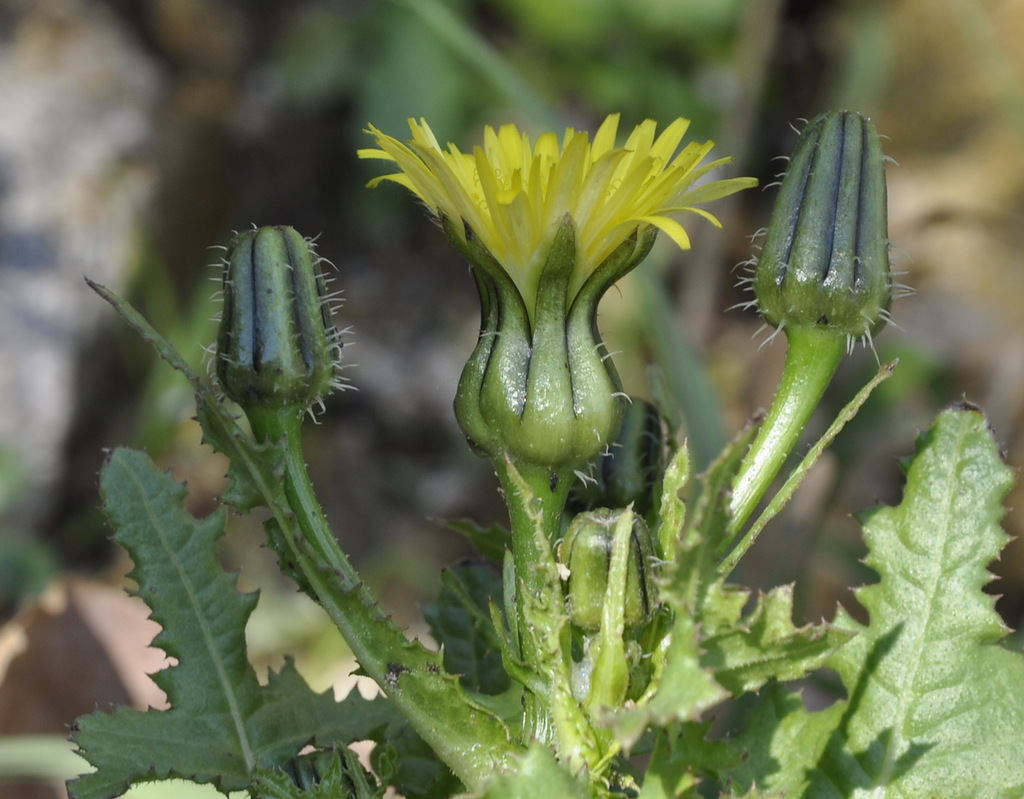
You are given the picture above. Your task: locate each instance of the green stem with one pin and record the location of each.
(536, 498)
(811, 361)
(796, 477)
(470, 740)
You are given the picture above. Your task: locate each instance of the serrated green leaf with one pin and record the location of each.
(765, 644)
(670, 773)
(681, 688)
(291, 715)
(202, 617)
(780, 739)
(222, 724)
(461, 622)
(681, 755)
(935, 707)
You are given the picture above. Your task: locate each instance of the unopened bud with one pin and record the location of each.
(276, 345)
(630, 471)
(825, 260)
(587, 551)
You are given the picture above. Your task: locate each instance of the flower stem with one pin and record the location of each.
(536, 498)
(811, 361)
(798, 474)
(470, 740)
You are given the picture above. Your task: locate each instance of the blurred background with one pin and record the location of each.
(136, 134)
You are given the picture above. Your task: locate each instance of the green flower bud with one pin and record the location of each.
(276, 345)
(587, 552)
(825, 259)
(630, 471)
(539, 388)
(822, 277)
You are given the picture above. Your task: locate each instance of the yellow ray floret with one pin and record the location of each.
(514, 193)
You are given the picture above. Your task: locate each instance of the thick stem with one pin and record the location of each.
(811, 361)
(471, 741)
(536, 501)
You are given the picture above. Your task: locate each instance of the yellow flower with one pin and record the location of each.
(514, 194)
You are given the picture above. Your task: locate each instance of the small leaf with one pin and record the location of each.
(746, 653)
(672, 509)
(291, 715)
(255, 469)
(335, 774)
(680, 690)
(461, 622)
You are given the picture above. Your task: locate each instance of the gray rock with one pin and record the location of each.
(77, 104)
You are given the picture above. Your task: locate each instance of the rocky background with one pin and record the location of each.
(136, 134)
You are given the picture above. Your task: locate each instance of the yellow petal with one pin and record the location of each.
(514, 192)
(670, 228)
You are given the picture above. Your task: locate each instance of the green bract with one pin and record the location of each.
(541, 389)
(276, 345)
(825, 260)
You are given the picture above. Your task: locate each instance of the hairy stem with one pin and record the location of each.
(470, 740)
(536, 501)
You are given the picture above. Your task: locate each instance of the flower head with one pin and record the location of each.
(514, 193)
(548, 226)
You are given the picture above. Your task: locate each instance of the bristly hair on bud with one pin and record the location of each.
(824, 261)
(822, 277)
(277, 345)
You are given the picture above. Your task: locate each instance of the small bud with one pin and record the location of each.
(825, 260)
(276, 345)
(587, 551)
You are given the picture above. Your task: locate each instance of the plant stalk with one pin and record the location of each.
(536, 500)
(812, 358)
(470, 740)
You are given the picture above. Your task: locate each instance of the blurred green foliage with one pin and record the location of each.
(455, 61)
